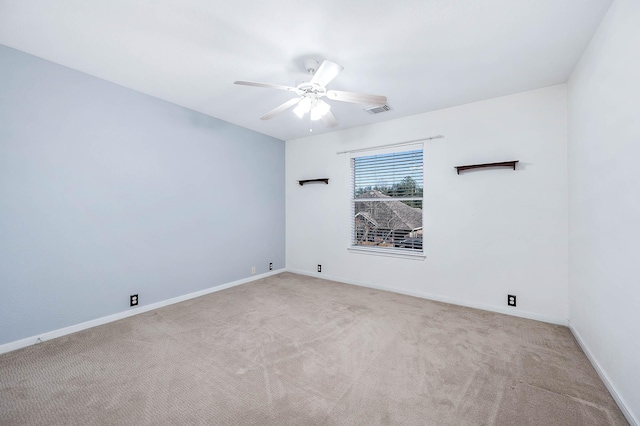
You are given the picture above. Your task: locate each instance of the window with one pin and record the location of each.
(386, 202)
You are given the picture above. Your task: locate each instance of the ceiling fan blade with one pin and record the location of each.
(277, 110)
(267, 85)
(326, 72)
(329, 120)
(356, 98)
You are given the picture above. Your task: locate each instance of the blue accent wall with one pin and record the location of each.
(107, 192)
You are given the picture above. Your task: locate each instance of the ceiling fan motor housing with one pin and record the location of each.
(308, 89)
(311, 65)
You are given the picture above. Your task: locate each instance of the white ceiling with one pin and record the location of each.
(422, 54)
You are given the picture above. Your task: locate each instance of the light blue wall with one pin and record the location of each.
(106, 192)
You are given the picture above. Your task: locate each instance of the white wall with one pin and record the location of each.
(106, 192)
(487, 233)
(604, 200)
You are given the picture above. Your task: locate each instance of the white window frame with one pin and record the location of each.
(376, 250)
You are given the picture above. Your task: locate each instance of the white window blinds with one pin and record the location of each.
(386, 201)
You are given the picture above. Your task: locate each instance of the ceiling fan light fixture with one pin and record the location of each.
(303, 107)
(315, 115)
(319, 110)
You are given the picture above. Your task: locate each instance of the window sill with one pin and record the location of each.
(388, 252)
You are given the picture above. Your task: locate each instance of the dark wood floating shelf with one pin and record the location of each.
(325, 180)
(480, 166)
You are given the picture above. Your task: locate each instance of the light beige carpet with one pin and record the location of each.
(294, 350)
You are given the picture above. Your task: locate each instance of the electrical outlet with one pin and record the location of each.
(133, 300)
(253, 270)
(511, 300)
(319, 268)
(271, 266)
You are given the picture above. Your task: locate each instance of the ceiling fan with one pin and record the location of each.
(310, 94)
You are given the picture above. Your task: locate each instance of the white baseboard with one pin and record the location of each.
(506, 311)
(18, 344)
(633, 421)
